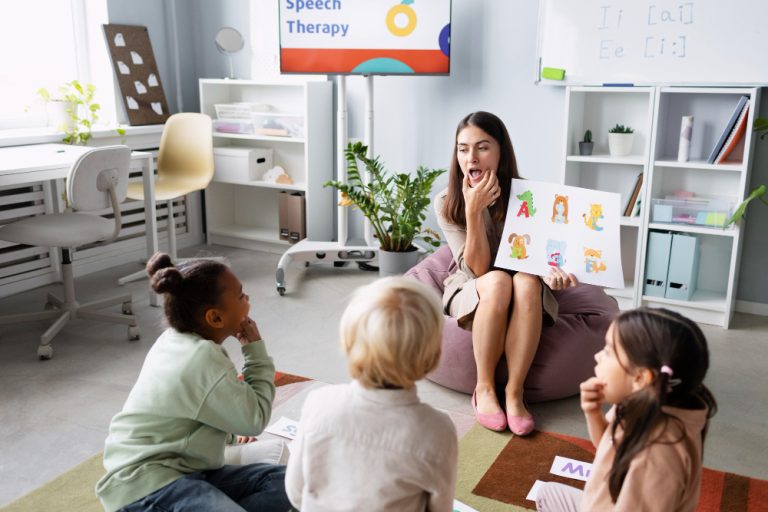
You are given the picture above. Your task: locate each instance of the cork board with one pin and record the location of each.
(136, 72)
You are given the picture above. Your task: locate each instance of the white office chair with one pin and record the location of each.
(184, 165)
(97, 180)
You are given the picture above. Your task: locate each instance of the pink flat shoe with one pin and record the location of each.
(521, 425)
(496, 421)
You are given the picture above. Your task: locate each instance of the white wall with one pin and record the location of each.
(492, 68)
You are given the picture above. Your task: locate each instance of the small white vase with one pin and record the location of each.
(58, 114)
(620, 144)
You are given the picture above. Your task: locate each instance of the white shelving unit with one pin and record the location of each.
(243, 213)
(599, 109)
(655, 113)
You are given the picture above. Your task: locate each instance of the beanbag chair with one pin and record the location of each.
(564, 358)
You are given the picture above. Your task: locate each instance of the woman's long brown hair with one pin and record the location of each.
(653, 338)
(453, 209)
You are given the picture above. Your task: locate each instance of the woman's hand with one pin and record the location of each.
(248, 332)
(592, 395)
(481, 196)
(558, 279)
(245, 439)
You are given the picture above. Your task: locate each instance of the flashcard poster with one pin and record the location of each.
(576, 229)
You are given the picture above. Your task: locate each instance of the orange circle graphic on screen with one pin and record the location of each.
(407, 11)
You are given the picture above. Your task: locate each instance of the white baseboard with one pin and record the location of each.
(753, 308)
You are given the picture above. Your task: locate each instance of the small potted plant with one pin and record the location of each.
(72, 110)
(585, 146)
(620, 140)
(395, 204)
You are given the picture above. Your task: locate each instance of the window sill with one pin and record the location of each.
(23, 136)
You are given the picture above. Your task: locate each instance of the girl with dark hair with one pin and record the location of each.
(165, 449)
(650, 443)
(503, 309)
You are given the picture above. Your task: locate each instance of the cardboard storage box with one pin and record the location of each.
(241, 164)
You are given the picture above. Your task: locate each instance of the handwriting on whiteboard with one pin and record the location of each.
(667, 35)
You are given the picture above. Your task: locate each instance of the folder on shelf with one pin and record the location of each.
(291, 216)
(683, 267)
(737, 133)
(633, 197)
(657, 263)
(728, 127)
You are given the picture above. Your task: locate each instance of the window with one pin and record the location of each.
(46, 43)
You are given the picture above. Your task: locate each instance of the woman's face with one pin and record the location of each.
(477, 153)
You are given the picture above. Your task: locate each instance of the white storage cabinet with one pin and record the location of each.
(243, 212)
(656, 113)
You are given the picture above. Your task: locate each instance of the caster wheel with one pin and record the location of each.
(134, 333)
(49, 306)
(44, 352)
(281, 290)
(127, 308)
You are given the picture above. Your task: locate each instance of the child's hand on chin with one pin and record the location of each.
(248, 332)
(592, 394)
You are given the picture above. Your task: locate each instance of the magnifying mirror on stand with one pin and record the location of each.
(229, 41)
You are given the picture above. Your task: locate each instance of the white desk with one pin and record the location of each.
(50, 162)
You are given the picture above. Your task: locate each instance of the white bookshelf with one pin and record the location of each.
(655, 114)
(244, 213)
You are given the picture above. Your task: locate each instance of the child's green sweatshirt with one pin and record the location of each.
(177, 418)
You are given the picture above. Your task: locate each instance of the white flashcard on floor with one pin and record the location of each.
(534, 490)
(571, 468)
(284, 427)
(462, 507)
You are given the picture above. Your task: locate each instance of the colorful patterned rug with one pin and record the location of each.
(496, 471)
(73, 490)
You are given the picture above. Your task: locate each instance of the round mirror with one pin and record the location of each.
(229, 41)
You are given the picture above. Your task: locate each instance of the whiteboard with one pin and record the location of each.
(641, 42)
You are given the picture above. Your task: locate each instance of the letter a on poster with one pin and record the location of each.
(575, 229)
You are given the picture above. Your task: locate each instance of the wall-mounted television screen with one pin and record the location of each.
(365, 37)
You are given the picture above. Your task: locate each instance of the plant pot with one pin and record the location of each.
(58, 116)
(620, 144)
(397, 263)
(585, 148)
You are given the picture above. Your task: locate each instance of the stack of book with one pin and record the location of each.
(732, 134)
(632, 209)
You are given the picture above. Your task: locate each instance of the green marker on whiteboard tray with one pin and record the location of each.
(553, 73)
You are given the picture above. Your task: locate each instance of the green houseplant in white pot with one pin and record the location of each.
(72, 109)
(394, 203)
(620, 140)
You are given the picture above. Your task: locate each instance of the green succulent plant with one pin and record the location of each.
(587, 136)
(620, 128)
(394, 203)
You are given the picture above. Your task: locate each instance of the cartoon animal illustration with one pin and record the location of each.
(593, 262)
(517, 243)
(560, 209)
(595, 214)
(555, 253)
(526, 208)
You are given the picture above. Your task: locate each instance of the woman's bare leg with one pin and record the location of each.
(522, 338)
(488, 331)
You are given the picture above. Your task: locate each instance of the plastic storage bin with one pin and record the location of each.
(241, 164)
(277, 124)
(237, 117)
(702, 211)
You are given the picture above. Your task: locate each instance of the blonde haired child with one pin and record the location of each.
(371, 444)
(649, 445)
(165, 449)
